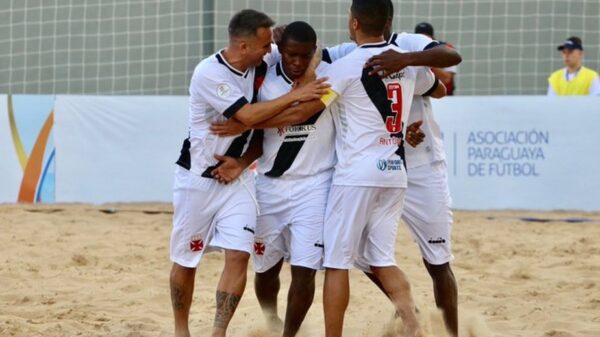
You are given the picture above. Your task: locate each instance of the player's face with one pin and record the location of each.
(296, 56)
(257, 47)
(572, 58)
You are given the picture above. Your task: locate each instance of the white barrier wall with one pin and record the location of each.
(117, 148)
(503, 152)
(522, 152)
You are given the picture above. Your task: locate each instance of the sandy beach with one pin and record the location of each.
(73, 270)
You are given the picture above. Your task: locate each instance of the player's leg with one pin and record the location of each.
(300, 298)
(230, 289)
(345, 219)
(266, 287)
(182, 289)
(446, 293)
(428, 215)
(379, 254)
(192, 227)
(235, 227)
(306, 247)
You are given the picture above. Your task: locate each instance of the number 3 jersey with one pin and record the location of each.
(300, 150)
(370, 116)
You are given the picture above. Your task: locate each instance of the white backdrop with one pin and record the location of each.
(522, 152)
(117, 148)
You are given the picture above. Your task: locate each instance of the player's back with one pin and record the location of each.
(370, 117)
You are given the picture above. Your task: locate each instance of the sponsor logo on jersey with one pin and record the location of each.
(296, 133)
(223, 90)
(396, 76)
(389, 164)
(390, 141)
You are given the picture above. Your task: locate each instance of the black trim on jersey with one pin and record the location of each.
(393, 38)
(259, 77)
(433, 44)
(235, 107)
(185, 159)
(374, 45)
(222, 60)
(377, 92)
(325, 57)
(289, 150)
(235, 150)
(280, 72)
(436, 84)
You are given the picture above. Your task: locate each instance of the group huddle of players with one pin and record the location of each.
(334, 177)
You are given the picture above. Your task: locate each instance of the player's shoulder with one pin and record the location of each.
(215, 67)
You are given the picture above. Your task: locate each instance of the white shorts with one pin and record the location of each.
(208, 215)
(427, 211)
(360, 226)
(290, 224)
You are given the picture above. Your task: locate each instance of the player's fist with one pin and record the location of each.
(414, 134)
(229, 169)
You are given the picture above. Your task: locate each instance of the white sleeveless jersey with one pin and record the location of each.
(370, 116)
(217, 92)
(295, 151)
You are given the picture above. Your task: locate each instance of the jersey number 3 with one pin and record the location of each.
(394, 123)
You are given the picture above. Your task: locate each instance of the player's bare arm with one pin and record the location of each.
(251, 114)
(443, 75)
(440, 91)
(390, 61)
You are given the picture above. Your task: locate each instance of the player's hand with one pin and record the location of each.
(278, 33)
(414, 134)
(388, 62)
(311, 91)
(231, 127)
(229, 170)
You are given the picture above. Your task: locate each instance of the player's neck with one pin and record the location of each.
(364, 39)
(574, 69)
(234, 59)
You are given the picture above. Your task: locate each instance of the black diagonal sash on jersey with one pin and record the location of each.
(289, 150)
(378, 94)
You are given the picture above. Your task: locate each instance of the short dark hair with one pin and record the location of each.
(391, 10)
(299, 31)
(246, 22)
(372, 15)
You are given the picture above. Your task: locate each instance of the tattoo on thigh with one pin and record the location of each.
(226, 305)
(177, 297)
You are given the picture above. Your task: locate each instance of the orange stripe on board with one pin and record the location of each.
(33, 170)
(15, 135)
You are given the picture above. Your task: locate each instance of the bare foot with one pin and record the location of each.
(414, 330)
(274, 324)
(183, 333)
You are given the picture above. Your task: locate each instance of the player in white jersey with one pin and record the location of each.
(206, 213)
(427, 210)
(294, 177)
(365, 200)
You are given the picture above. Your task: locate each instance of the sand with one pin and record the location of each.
(71, 270)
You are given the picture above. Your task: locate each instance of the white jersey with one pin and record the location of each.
(295, 151)
(217, 92)
(432, 148)
(370, 116)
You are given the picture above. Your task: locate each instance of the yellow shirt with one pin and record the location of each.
(579, 85)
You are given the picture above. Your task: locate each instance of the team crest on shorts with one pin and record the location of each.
(259, 248)
(196, 244)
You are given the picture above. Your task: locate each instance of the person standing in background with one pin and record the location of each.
(574, 79)
(446, 75)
